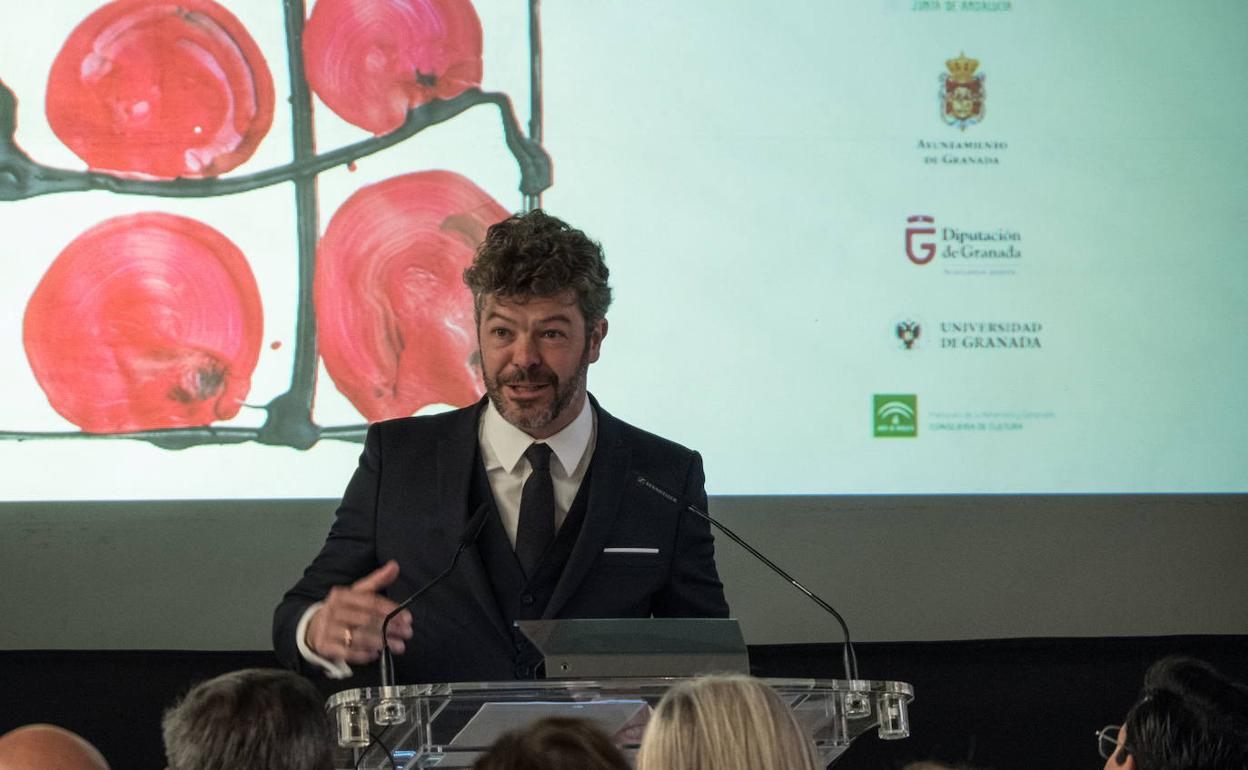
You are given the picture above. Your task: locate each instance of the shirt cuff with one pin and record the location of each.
(334, 669)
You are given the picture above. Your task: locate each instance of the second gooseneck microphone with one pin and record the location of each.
(848, 659)
(471, 532)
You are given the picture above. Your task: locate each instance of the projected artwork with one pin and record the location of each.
(149, 325)
(370, 62)
(155, 89)
(144, 322)
(396, 327)
(236, 228)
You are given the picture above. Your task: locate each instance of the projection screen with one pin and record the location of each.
(916, 247)
(895, 247)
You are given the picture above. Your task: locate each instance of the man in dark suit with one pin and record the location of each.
(568, 530)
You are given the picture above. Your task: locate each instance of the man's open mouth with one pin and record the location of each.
(528, 389)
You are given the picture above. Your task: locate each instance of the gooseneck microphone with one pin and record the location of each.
(472, 531)
(848, 659)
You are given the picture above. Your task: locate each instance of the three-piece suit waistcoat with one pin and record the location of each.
(522, 597)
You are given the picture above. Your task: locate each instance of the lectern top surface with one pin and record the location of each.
(583, 689)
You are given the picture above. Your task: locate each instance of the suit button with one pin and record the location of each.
(524, 672)
(526, 599)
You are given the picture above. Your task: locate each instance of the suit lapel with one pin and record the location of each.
(457, 451)
(606, 488)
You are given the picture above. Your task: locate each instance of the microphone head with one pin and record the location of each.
(642, 481)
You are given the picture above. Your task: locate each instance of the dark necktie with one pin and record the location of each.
(537, 510)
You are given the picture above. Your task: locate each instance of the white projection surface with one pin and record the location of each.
(786, 198)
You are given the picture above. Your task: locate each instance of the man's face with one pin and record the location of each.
(534, 355)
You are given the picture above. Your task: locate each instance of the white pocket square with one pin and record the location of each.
(654, 551)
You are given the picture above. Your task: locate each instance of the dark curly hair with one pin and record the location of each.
(537, 255)
(1189, 717)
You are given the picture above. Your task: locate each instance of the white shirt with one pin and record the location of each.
(502, 452)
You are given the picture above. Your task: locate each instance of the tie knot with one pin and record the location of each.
(538, 456)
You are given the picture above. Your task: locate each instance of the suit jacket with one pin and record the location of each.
(408, 501)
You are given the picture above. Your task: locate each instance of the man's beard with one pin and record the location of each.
(536, 418)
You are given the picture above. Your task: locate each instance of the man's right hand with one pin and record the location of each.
(347, 627)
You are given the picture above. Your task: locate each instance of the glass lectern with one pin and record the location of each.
(409, 727)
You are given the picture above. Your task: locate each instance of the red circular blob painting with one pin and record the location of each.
(145, 321)
(161, 89)
(371, 60)
(394, 318)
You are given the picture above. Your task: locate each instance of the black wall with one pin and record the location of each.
(1021, 704)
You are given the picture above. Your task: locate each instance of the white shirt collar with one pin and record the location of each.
(504, 444)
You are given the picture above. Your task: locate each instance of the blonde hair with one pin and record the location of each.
(724, 722)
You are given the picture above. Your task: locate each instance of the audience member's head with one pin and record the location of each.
(724, 722)
(47, 747)
(254, 718)
(1188, 717)
(555, 743)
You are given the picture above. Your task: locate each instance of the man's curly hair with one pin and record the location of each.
(537, 255)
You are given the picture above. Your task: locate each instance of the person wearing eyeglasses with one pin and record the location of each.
(1188, 717)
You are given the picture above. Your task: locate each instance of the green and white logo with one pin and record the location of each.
(896, 416)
